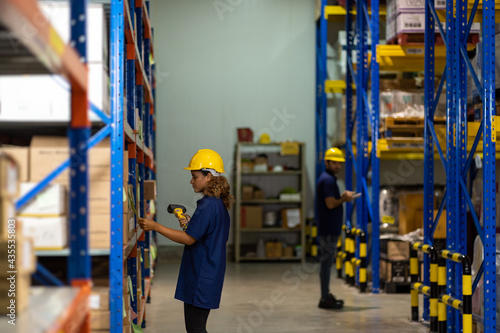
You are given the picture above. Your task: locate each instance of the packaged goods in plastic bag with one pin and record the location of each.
(388, 208)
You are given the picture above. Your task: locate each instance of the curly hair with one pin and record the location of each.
(219, 187)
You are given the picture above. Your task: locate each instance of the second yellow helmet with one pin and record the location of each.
(334, 154)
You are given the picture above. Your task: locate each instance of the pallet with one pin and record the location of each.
(407, 127)
(419, 39)
(395, 287)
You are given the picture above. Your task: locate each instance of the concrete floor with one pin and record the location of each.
(280, 297)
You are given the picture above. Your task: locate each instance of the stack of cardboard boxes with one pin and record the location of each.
(99, 307)
(45, 217)
(17, 257)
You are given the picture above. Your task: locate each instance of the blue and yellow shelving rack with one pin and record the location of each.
(366, 114)
(131, 45)
(458, 155)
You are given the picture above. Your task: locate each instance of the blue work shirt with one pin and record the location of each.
(329, 220)
(203, 265)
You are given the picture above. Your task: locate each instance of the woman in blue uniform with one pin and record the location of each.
(203, 265)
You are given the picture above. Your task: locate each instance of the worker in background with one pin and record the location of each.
(330, 216)
(203, 265)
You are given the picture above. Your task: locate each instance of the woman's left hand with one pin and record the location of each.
(147, 225)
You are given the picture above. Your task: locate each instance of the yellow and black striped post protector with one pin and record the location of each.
(348, 264)
(465, 305)
(433, 289)
(441, 291)
(414, 279)
(339, 257)
(352, 248)
(363, 263)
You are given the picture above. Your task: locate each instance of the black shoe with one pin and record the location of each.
(331, 303)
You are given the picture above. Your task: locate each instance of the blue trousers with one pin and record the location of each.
(327, 251)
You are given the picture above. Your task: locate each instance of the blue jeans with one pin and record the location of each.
(327, 250)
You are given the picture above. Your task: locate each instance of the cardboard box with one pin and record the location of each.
(50, 98)
(51, 201)
(99, 231)
(97, 43)
(9, 177)
(22, 284)
(260, 164)
(129, 223)
(274, 250)
(48, 233)
(410, 205)
(99, 299)
(99, 320)
(396, 271)
(394, 250)
(247, 192)
(246, 166)
(251, 217)
(47, 153)
(441, 227)
(24, 256)
(128, 226)
(258, 195)
(383, 270)
(150, 189)
(21, 156)
(291, 218)
(7, 215)
(288, 251)
(100, 198)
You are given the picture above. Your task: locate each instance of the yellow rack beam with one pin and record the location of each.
(336, 86)
(338, 13)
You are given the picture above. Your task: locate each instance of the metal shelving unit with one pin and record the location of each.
(250, 149)
(132, 90)
(457, 157)
(47, 48)
(366, 114)
(130, 40)
(451, 60)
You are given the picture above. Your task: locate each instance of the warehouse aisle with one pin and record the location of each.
(247, 303)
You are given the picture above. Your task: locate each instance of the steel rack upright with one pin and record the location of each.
(366, 114)
(132, 109)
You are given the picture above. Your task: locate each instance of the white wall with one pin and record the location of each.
(250, 63)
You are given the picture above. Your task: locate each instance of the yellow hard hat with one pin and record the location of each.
(264, 138)
(206, 159)
(334, 154)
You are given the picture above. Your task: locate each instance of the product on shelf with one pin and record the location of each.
(245, 134)
(251, 217)
(274, 249)
(291, 218)
(411, 206)
(388, 208)
(50, 201)
(21, 157)
(48, 233)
